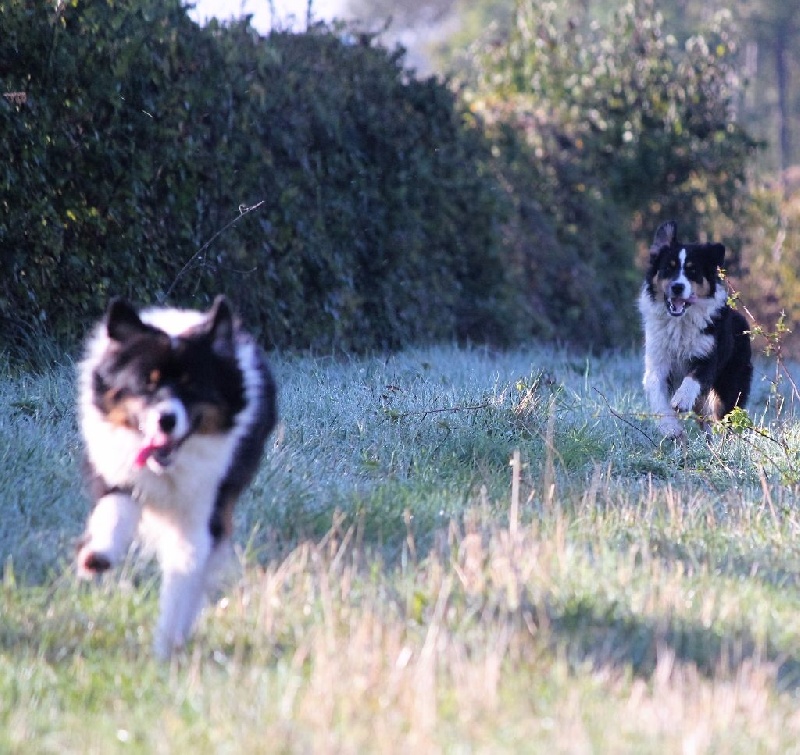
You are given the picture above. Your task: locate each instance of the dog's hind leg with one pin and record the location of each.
(733, 389)
(110, 530)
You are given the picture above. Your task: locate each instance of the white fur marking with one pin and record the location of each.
(151, 425)
(681, 277)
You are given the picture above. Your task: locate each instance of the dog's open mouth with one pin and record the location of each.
(157, 451)
(677, 306)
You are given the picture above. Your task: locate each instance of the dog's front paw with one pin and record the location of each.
(686, 396)
(109, 532)
(671, 427)
(91, 562)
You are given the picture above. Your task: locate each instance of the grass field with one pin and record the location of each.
(445, 550)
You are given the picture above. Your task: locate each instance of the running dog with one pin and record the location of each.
(175, 407)
(697, 349)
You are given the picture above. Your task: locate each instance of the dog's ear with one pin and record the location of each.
(123, 321)
(715, 253)
(665, 236)
(221, 328)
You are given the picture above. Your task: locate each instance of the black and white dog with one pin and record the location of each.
(697, 349)
(175, 408)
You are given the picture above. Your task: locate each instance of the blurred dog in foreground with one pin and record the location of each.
(175, 408)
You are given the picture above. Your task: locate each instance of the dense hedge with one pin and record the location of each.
(143, 135)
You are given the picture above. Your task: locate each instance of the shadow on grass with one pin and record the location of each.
(610, 636)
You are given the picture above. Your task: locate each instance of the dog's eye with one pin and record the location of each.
(153, 378)
(115, 395)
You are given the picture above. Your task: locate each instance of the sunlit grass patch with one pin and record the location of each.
(444, 550)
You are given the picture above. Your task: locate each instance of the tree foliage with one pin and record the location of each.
(616, 128)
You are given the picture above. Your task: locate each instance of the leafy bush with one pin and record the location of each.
(770, 286)
(606, 132)
(143, 134)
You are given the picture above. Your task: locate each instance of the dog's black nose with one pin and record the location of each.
(677, 288)
(167, 422)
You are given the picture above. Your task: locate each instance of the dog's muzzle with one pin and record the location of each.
(677, 303)
(676, 306)
(165, 427)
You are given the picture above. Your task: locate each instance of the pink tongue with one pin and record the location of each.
(151, 445)
(145, 452)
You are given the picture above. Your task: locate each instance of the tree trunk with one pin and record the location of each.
(782, 78)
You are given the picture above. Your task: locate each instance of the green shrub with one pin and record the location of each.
(143, 134)
(606, 131)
